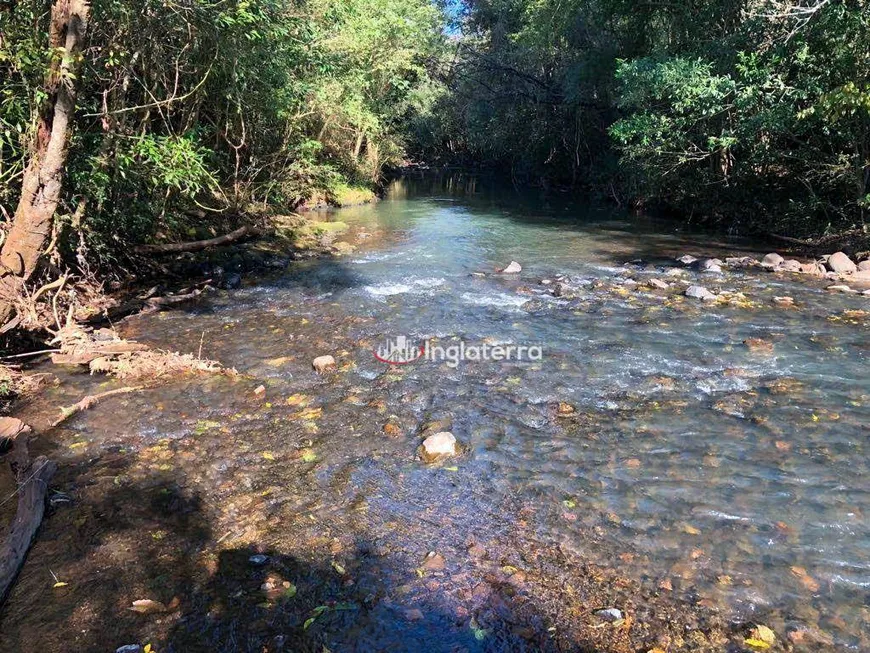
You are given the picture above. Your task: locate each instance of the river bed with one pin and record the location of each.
(727, 478)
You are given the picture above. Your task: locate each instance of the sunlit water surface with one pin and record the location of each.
(731, 476)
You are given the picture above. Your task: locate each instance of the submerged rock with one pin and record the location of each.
(841, 264)
(561, 289)
(699, 292)
(740, 261)
(232, 281)
(658, 284)
(564, 408)
(323, 364)
(840, 288)
(440, 445)
(513, 268)
(258, 560)
(687, 259)
(758, 344)
(772, 260)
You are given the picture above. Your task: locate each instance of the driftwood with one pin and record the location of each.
(155, 303)
(198, 245)
(89, 401)
(32, 480)
(811, 243)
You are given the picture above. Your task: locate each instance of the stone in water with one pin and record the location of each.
(323, 364)
(440, 445)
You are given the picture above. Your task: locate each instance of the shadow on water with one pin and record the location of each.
(624, 236)
(324, 275)
(125, 541)
(322, 609)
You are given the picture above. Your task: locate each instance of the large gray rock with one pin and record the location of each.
(710, 265)
(791, 266)
(772, 260)
(699, 292)
(658, 284)
(841, 264)
(440, 445)
(864, 266)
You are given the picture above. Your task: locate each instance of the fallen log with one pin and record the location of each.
(32, 480)
(198, 245)
(156, 303)
(89, 401)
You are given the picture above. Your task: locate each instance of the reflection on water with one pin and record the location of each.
(731, 476)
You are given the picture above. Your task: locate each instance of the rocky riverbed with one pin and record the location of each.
(676, 473)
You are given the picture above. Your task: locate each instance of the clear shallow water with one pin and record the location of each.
(731, 477)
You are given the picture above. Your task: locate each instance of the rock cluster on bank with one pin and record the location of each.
(836, 267)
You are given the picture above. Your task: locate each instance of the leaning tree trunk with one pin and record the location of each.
(40, 189)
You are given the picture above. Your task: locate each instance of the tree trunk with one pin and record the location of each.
(43, 178)
(358, 145)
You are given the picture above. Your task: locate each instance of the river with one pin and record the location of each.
(645, 439)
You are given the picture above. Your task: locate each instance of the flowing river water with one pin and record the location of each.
(694, 470)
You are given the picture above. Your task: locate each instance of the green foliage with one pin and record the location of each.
(750, 112)
(192, 106)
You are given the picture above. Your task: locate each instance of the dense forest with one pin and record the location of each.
(753, 113)
(141, 122)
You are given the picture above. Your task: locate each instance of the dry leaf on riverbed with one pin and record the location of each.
(308, 414)
(147, 606)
